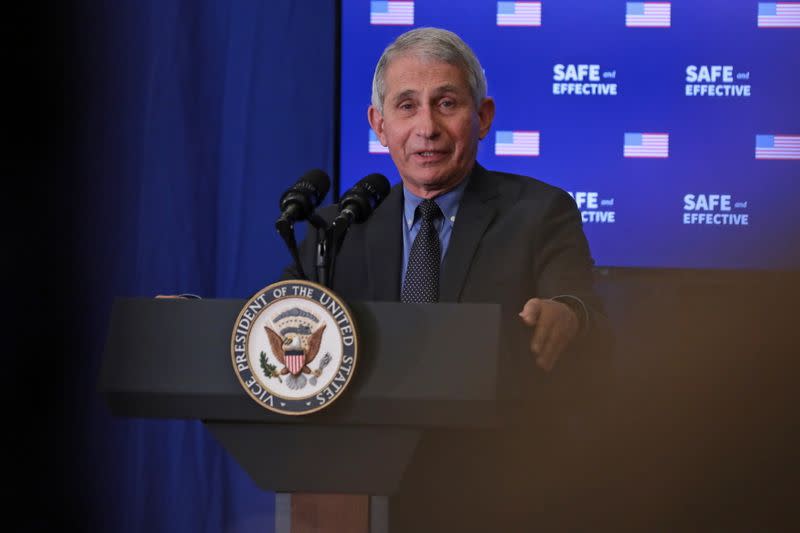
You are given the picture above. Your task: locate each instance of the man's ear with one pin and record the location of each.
(486, 116)
(376, 122)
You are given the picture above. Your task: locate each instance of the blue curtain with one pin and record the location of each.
(195, 116)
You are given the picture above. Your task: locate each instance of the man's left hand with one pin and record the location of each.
(554, 327)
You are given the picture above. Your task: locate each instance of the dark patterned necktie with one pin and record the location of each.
(421, 284)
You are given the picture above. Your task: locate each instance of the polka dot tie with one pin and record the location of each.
(421, 284)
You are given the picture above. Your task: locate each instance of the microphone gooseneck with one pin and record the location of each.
(298, 203)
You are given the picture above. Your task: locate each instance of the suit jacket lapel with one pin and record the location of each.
(384, 248)
(474, 215)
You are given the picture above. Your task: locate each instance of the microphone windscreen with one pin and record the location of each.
(320, 182)
(377, 185)
(365, 196)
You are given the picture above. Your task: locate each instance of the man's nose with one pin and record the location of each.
(427, 124)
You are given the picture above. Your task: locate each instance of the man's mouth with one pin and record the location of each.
(430, 155)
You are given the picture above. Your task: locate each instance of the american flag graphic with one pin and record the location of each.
(648, 14)
(779, 15)
(519, 13)
(516, 143)
(391, 13)
(777, 146)
(375, 146)
(646, 145)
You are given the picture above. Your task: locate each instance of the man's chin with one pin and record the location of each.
(431, 182)
(433, 170)
(430, 179)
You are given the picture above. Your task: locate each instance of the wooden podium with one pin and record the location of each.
(421, 367)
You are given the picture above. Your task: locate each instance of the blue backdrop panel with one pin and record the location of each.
(198, 115)
(741, 214)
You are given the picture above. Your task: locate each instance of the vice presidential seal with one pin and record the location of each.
(294, 347)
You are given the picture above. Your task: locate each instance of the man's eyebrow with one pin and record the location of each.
(408, 93)
(403, 95)
(449, 88)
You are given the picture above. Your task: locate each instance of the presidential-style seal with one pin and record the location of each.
(294, 347)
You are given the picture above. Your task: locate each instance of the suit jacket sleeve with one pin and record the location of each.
(565, 266)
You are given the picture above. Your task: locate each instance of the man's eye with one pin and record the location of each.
(406, 106)
(447, 103)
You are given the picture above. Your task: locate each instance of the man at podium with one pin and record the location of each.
(453, 231)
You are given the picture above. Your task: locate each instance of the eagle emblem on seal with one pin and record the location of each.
(295, 355)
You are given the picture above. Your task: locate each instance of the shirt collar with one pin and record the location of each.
(447, 202)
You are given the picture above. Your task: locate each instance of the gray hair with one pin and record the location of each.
(431, 43)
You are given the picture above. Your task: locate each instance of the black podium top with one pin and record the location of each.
(420, 365)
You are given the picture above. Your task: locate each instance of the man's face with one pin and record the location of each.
(430, 123)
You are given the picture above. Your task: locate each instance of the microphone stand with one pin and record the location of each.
(323, 249)
(335, 236)
(286, 231)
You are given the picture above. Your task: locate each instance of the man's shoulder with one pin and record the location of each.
(525, 187)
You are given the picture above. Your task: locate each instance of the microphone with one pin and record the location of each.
(300, 200)
(360, 201)
(356, 206)
(298, 203)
